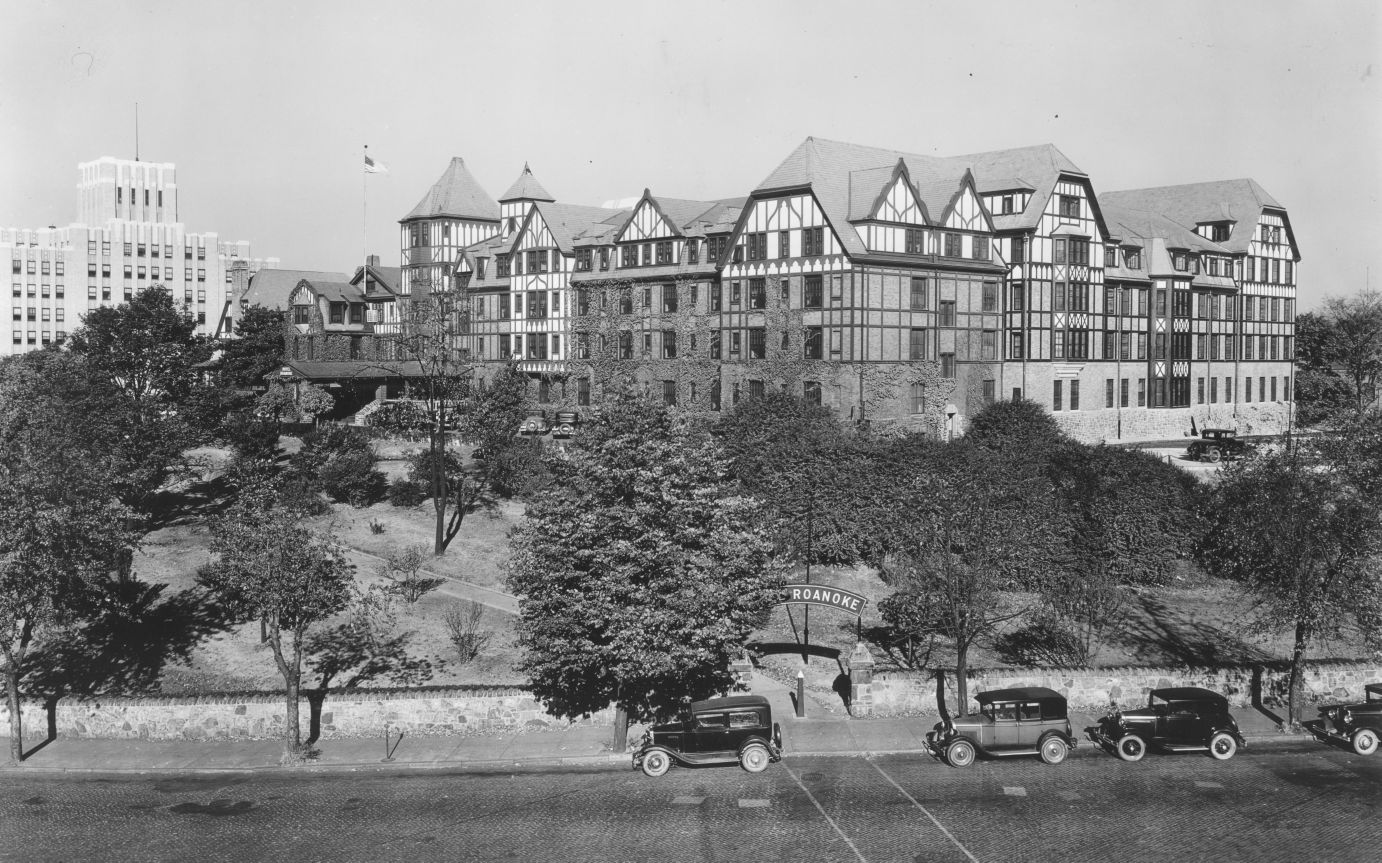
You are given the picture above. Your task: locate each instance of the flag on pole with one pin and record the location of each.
(373, 167)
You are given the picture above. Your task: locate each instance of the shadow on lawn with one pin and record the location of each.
(1154, 633)
(190, 502)
(123, 649)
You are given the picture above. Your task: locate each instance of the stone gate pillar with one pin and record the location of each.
(742, 669)
(860, 681)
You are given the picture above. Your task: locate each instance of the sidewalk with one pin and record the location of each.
(577, 745)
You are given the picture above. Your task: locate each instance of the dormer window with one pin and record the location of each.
(1005, 205)
(480, 268)
(628, 256)
(604, 257)
(582, 260)
(1110, 256)
(501, 266)
(301, 314)
(1180, 261)
(693, 251)
(1132, 259)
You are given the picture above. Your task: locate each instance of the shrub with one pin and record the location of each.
(463, 623)
(350, 476)
(405, 492)
(404, 570)
(420, 467)
(299, 493)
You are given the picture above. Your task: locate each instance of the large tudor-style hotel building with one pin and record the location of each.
(901, 289)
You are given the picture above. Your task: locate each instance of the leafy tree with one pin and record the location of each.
(1356, 344)
(431, 324)
(403, 570)
(256, 350)
(271, 568)
(62, 526)
(1315, 348)
(640, 570)
(505, 464)
(147, 347)
(301, 403)
(972, 526)
(340, 460)
(1126, 521)
(1322, 397)
(1305, 540)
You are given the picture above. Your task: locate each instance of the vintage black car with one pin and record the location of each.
(1027, 721)
(1215, 444)
(1358, 724)
(738, 729)
(1179, 719)
(566, 424)
(535, 423)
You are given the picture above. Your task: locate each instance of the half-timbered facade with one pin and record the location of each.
(455, 213)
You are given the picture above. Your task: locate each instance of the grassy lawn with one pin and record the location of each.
(1193, 622)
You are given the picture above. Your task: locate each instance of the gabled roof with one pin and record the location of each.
(567, 221)
(687, 217)
(526, 188)
(270, 288)
(1126, 222)
(832, 169)
(456, 194)
(383, 281)
(1240, 201)
(337, 291)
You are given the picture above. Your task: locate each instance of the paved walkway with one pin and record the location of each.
(812, 736)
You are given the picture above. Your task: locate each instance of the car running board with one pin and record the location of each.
(1006, 752)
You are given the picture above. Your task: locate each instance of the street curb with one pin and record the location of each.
(491, 764)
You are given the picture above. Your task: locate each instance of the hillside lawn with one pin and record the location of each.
(1195, 621)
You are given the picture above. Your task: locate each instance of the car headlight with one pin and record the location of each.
(1331, 713)
(1346, 717)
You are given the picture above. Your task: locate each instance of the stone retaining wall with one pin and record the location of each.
(359, 713)
(1092, 690)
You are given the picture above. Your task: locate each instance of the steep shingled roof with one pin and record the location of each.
(526, 188)
(1240, 201)
(456, 194)
(270, 288)
(567, 221)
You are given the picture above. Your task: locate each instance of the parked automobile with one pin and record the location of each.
(565, 425)
(1215, 444)
(738, 729)
(535, 423)
(1027, 721)
(1179, 719)
(1358, 724)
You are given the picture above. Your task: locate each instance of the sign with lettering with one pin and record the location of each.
(819, 594)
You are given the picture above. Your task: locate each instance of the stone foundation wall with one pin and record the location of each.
(361, 713)
(1092, 690)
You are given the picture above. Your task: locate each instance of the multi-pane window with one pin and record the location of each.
(715, 297)
(988, 345)
(628, 256)
(1015, 345)
(981, 248)
(812, 241)
(669, 344)
(916, 241)
(757, 246)
(1019, 250)
(583, 262)
(693, 251)
(988, 390)
(812, 292)
(758, 343)
(648, 298)
(1074, 395)
(1132, 259)
(537, 304)
(1057, 395)
(1017, 297)
(664, 252)
(626, 345)
(715, 345)
(734, 293)
(811, 392)
(1069, 206)
(501, 266)
(758, 293)
(811, 345)
(669, 298)
(990, 297)
(919, 293)
(917, 344)
(504, 312)
(947, 365)
(947, 313)
(300, 314)
(337, 311)
(1079, 251)
(953, 246)
(784, 244)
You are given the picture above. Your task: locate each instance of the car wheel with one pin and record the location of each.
(656, 763)
(754, 758)
(1054, 750)
(960, 753)
(1131, 748)
(1365, 741)
(1212, 455)
(1222, 746)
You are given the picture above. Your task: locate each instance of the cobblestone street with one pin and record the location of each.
(1273, 803)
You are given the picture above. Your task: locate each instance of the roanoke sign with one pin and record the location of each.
(831, 597)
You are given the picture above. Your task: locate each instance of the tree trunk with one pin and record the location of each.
(621, 729)
(292, 732)
(961, 677)
(440, 492)
(1297, 681)
(16, 721)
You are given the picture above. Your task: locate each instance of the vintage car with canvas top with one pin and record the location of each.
(1215, 444)
(1179, 719)
(1357, 725)
(734, 730)
(1030, 720)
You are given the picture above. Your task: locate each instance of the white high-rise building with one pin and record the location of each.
(127, 237)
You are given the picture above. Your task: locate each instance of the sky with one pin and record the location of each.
(266, 107)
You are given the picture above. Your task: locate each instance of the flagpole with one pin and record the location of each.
(364, 223)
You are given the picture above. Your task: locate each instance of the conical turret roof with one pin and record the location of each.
(526, 188)
(456, 194)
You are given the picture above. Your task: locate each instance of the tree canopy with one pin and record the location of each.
(641, 569)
